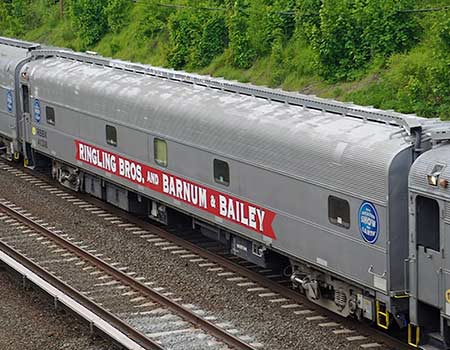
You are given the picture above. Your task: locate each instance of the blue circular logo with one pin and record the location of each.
(368, 222)
(9, 101)
(37, 111)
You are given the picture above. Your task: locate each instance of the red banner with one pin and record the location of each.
(230, 208)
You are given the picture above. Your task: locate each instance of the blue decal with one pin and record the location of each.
(368, 222)
(9, 101)
(37, 111)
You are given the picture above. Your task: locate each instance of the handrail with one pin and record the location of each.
(19, 43)
(408, 122)
(437, 131)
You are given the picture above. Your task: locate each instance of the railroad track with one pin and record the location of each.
(147, 317)
(269, 286)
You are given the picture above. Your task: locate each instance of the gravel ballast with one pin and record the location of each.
(265, 322)
(28, 322)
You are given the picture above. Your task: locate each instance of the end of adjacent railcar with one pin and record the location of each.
(429, 247)
(13, 55)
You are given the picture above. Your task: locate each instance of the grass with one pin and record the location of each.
(403, 82)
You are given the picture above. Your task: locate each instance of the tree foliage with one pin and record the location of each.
(184, 33)
(92, 19)
(116, 12)
(403, 56)
(89, 19)
(270, 20)
(196, 37)
(242, 54)
(152, 19)
(213, 40)
(347, 34)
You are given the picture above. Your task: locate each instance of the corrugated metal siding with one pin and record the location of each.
(447, 212)
(338, 152)
(424, 165)
(9, 57)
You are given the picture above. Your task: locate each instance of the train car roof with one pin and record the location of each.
(433, 162)
(10, 56)
(345, 154)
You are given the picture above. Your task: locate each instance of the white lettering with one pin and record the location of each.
(121, 167)
(244, 220)
(202, 202)
(179, 186)
(187, 191)
(231, 210)
(171, 186)
(88, 154)
(222, 205)
(94, 156)
(252, 217)
(99, 159)
(152, 178)
(194, 194)
(81, 151)
(139, 176)
(261, 215)
(127, 168)
(165, 179)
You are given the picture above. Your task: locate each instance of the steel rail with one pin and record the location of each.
(185, 313)
(240, 270)
(117, 323)
(224, 262)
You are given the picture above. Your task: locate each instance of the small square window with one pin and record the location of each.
(50, 115)
(160, 148)
(221, 172)
(111, 135)
(339, 211)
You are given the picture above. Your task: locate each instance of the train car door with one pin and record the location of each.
(24, 109)
(25, 124)
(429, 250)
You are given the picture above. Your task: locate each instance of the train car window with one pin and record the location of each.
(221, 172)
(50, 115)
(160, 148)
(428, 223)
(339, 211)
(26, 99)
(111, 135)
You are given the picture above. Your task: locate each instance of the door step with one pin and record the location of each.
(430, 347)
(435, 342)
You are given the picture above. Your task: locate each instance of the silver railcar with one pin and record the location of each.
(275, 176)
(13, 55)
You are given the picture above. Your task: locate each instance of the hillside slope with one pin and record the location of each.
(392, 54)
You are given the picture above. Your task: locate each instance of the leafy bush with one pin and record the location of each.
(116, 13)
(268, 21)
(277, 60)
(241, 52)
(213, 41)
(307, 19)
(347, 34)
(184, 33)
(152, 19)
(368, 51)
(196, 37)
(17, 15)
(7, 21)
(88, 18)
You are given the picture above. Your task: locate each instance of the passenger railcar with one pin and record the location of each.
(277, 177)
(13, 54)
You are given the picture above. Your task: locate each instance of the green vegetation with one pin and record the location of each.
(372, 52)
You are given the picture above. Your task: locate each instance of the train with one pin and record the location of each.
(353, 199)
